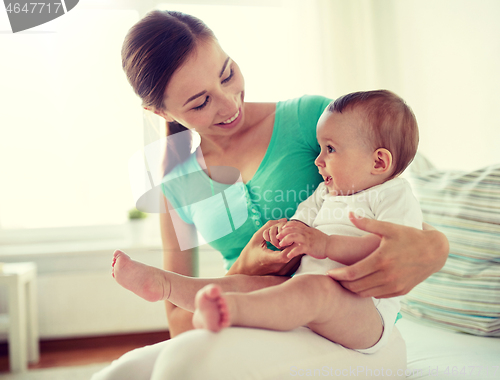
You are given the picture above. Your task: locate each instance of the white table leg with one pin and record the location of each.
(33, 348)
(17, 332)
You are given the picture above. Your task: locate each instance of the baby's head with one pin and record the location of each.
(366, 138)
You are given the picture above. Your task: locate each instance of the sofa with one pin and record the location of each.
(451, 321)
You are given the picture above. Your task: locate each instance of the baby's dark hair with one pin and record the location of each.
(392, 124)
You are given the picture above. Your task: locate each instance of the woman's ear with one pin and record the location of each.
(382, 161)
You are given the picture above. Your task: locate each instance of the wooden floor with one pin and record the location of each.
(82, 351)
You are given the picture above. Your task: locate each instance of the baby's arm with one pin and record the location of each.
(298, 238)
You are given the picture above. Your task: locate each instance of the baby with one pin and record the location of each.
(367, 139)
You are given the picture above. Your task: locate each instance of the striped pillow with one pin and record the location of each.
(465, 206)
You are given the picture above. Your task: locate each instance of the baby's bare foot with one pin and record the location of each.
(147, 282)
(211, 312)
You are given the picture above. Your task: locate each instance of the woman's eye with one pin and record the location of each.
(330, 149)
(231, 73)
(202, 105)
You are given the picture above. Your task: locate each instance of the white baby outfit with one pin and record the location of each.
(392, 201)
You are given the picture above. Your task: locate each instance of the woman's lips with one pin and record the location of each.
(232, 121)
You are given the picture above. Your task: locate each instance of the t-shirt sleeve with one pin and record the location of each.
(309, 111)
(398, 205)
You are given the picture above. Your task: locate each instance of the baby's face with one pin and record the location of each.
(346, 160)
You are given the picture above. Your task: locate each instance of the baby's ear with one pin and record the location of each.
(382, 161)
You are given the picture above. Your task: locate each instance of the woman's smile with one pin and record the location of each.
(232, 121)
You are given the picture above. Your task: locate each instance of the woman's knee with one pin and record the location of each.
(176, 360)
(134, 365)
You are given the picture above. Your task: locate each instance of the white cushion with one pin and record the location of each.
(465, 206)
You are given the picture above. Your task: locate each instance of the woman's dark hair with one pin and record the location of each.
(154, 48)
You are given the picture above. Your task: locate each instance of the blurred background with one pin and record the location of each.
(70, 122)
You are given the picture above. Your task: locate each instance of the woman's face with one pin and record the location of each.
(206, 93)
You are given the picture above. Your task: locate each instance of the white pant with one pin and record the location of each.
(388, 308)
(246, 353)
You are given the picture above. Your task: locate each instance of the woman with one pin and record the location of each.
(175, 64)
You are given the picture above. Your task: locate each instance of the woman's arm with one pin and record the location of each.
(175, 260)
(387, 272)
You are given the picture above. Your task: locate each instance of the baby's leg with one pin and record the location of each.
(315, 301)
(154, 284)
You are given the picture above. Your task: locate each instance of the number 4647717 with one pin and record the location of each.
(33, 7)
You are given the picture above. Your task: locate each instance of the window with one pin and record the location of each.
(69, 123)
(70, 120)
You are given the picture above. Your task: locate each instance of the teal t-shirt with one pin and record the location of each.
(227, 216)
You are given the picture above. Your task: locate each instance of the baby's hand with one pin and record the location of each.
(300, 238)
(270, 234)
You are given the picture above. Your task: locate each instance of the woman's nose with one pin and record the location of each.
(228, 105)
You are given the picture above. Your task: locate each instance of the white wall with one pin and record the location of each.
(451, 54)
(442, 57)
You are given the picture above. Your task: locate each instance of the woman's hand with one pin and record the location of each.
(258, 260)
(270, 233)
(406, 256)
